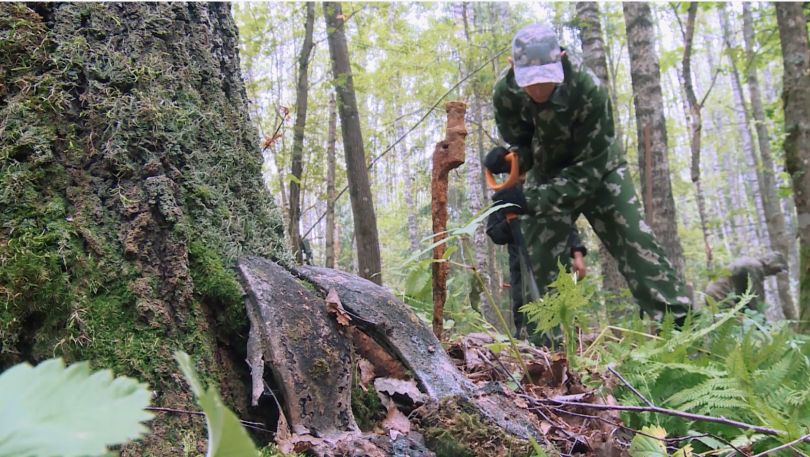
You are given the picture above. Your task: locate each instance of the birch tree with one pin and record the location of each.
(774, 216)
(659, 204)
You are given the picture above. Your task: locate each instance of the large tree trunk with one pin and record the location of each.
(653, 152)
(365, 220)
(131, 180)
(593, 49)
(297, 167)
(331, 193)
(774, 217)
(796, 99)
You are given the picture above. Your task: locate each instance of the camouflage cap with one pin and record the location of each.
(536, 56)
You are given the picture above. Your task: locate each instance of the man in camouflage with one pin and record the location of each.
(557, 115)
(743, 270)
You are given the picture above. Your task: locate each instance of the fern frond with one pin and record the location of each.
(712, 393)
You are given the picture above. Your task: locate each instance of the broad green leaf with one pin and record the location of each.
(470, 228)
(50, 410)
(645, 446)
(226, 437)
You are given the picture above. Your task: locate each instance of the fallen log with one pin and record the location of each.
(303, 324)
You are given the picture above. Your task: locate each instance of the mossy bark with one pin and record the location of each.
(130, 180)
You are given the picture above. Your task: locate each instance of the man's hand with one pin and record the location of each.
(496, 162)
(578, 265)
(513, 195)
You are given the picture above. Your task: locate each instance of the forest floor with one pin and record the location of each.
(540, 383)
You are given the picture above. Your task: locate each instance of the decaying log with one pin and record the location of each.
(447, 155)
(309, 353)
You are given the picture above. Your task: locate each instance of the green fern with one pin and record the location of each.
(732, 365)
(561, 306)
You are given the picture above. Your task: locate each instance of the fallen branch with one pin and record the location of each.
(805, 438)
(630, 386)
(249, 424)
(670, 412)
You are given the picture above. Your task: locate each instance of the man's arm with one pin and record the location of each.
(508, 103)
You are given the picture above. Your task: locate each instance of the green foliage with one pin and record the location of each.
(563, 306)
(649, 446)
(226, 436)
(650, 443)
(50, 410)
(731, 365)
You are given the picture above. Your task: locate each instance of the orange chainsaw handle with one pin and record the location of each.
(514, 174)
(511, 181)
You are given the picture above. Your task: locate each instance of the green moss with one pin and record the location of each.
(456, 429)
(366, 407)
(319, 369)
(217, 286)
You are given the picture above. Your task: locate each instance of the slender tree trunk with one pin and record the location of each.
(365, 220)
(331, 194)
(796, 99)
(475, 194)
(774, 217)
(413, 226)
(651, 130)
(593, 48)
(743, 121)
(297, 168)
(695, 131)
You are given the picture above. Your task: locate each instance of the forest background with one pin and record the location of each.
(407, 59)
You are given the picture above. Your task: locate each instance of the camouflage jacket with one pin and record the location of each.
(566, 145)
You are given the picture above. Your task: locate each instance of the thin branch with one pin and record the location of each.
(249, 424)
(674, 7)
(669, 412)
(390, 147)
(805, 438)
(630, 386)
(711, 86)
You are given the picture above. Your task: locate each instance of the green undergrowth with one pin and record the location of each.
(723, 363)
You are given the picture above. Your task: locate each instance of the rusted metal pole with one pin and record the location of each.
(447, 155)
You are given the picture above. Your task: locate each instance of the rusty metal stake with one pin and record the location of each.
(447, 155)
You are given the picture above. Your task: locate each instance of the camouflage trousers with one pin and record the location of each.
(614, 212)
